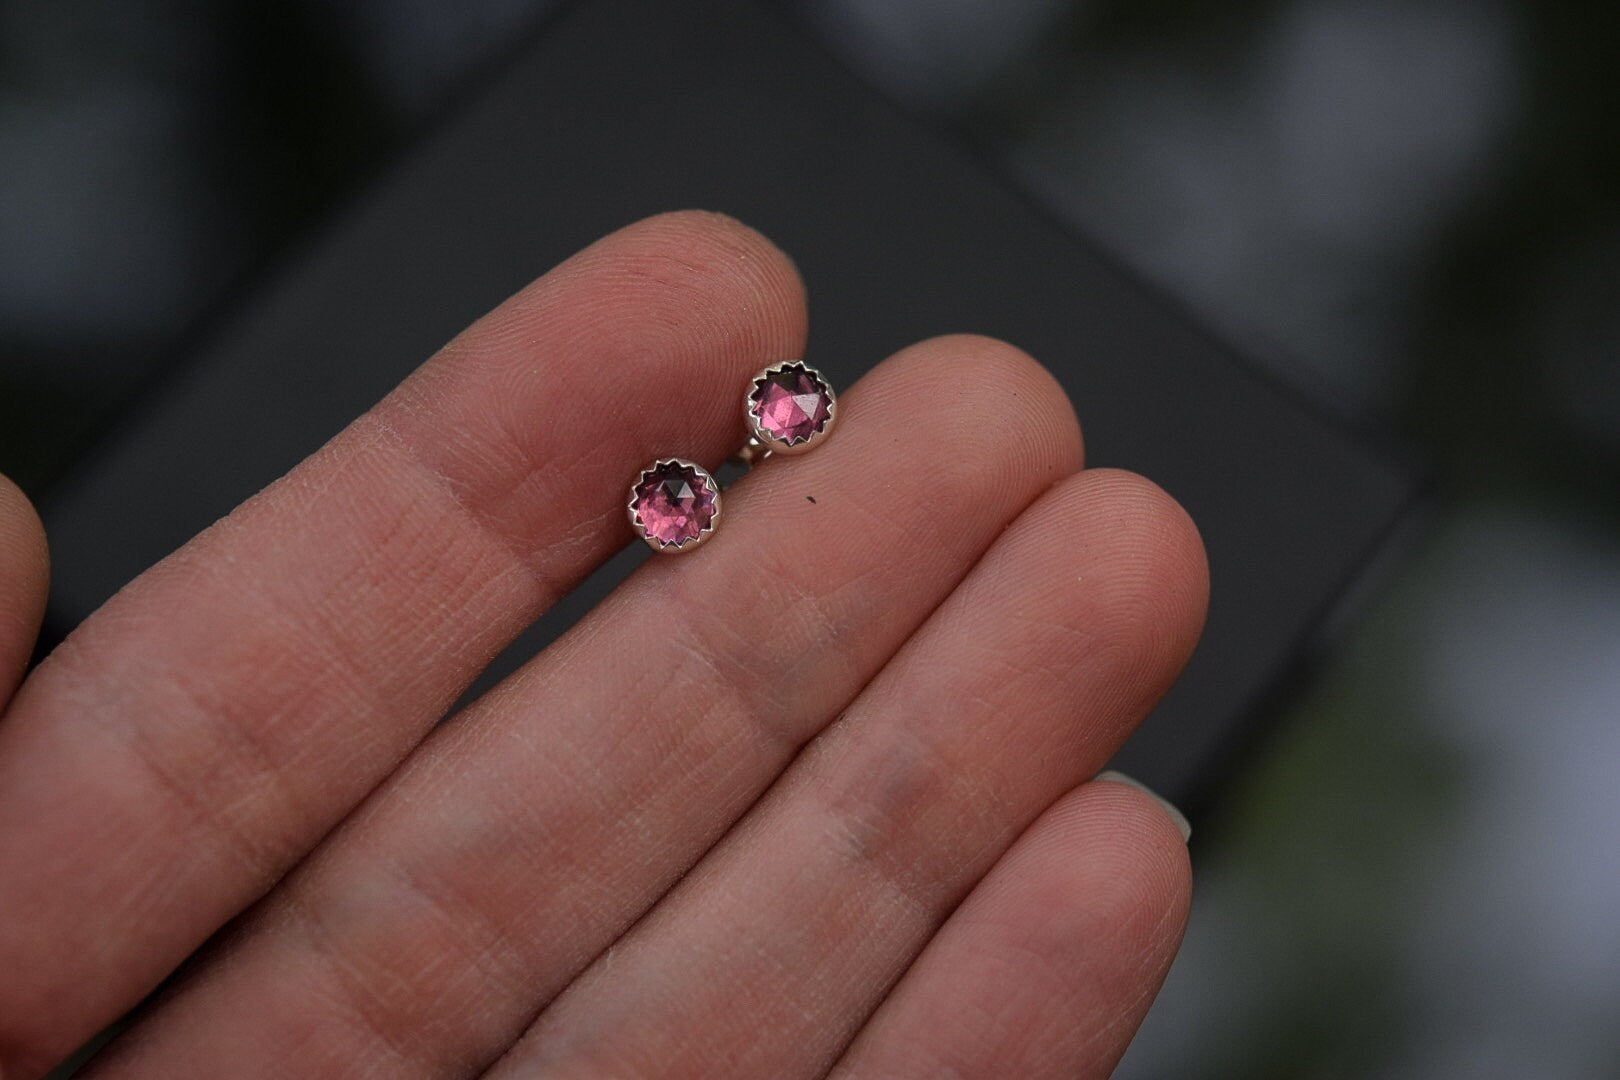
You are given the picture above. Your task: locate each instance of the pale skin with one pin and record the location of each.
(815, 799)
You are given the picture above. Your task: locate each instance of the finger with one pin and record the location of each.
(25, 574)
(528, 834)
(1050, 964)
(769, 956)
(197, 735)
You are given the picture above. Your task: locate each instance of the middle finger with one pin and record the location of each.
(528, 834)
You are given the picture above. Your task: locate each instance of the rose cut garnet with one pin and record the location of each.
(790, 403)
(674, 503)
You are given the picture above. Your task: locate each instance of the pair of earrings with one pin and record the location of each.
(675, 504)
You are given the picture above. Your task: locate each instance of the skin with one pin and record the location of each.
(813, 800)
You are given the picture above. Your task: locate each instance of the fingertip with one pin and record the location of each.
(725, 259)
(1177, 818)
(24, 582)
(1049, 965)
(1016, 400)
(683, 306)
(1175, 537)
(1134, 880)
(1141, 568)
(22, 535)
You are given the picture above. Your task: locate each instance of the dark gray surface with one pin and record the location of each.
(626, 108)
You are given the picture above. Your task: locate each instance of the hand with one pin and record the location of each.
(814, 798)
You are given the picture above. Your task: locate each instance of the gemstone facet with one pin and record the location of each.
(673, 505)
(789, 405)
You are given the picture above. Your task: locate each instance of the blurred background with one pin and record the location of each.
(1410, 212)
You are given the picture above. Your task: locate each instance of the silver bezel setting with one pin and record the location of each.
(640, 527)
(771, 442)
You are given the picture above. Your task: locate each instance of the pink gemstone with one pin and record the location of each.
(674, 502)
(790, 403)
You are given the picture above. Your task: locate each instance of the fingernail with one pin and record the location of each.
(1183, 826)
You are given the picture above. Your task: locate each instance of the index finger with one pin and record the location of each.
(203, 730)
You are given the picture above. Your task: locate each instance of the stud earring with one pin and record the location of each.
(790, 408)
(674, 505)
